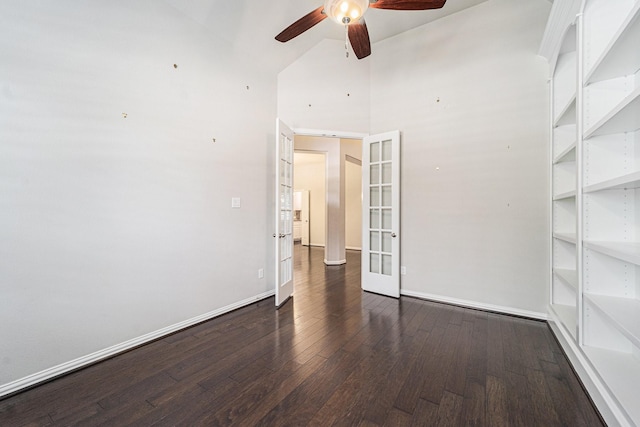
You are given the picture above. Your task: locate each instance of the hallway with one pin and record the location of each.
(331, 355)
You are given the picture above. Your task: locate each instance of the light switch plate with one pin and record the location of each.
(235, 202)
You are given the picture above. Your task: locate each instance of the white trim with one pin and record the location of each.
(353, 248)
(64, 368)
(339, 262)
(561, 17)
(478, 305)
(329, 133)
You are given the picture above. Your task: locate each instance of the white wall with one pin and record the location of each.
(113, 228)
(309, 173)
(353, 205)
(470, 97)
(325, 90)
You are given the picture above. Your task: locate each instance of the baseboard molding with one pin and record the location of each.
(607, 405)
(81, 362)
(353, 248)
(339, 262)
(475, 304)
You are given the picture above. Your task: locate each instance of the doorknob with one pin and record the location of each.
(274, 234)
(393, 234)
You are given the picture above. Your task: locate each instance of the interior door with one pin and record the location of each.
(381, 214)
(284, 213)
(304, 217)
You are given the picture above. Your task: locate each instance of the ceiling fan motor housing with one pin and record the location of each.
(345, 12)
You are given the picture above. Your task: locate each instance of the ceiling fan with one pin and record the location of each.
(350, 14)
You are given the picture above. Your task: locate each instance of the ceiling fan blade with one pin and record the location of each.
(359, 38)
(407, 4)
(301, 25)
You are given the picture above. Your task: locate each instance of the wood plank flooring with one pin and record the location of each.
(333, 355)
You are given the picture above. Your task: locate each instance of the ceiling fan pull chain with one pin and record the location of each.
(346, 40)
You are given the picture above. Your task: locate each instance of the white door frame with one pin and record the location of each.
(329, 133)
(305, 214)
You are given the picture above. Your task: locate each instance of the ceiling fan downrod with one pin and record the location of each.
(346, 40)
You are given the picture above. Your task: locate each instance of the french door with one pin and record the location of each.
(283, 235)
(381, 214)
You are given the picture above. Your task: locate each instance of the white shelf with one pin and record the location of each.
(624, 117)
(619, 372)
(567, 237)
(625, 251)
(567, 316)
(567, 115)
(624, 314)
(570, 277)
(565, 195)
(568, 154)
(622, 56)
(624, 182)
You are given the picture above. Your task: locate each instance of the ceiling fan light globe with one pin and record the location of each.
(338, 10)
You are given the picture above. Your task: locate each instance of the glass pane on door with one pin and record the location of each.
(374, 240)
(386, 150)
(386, 219)
(375, 174)
(386, 241)
(374, 156)
(386, 265)
(374, 263)
(374, 196)
(386, 195)
(374, 219)
(386, 173)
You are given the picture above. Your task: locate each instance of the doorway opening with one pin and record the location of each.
(329, 170)
(309, 181)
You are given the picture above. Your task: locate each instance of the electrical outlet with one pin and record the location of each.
(261, 273)
(403, 270)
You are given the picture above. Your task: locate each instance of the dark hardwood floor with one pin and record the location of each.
(333, 355)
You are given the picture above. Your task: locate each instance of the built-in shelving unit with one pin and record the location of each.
(595, 152)
(564, 289)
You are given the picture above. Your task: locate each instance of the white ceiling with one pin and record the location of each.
(251, 25)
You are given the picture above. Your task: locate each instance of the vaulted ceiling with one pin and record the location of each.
(251, 25)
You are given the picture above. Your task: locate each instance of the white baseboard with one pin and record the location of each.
(50, 373)
(598, 392)
(478, 305)
(339, 262)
